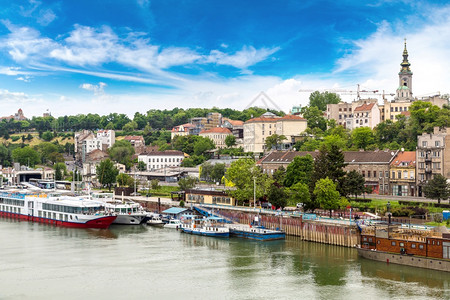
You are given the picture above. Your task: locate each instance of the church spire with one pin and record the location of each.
(405, 63)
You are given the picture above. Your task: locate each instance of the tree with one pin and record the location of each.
(354, 184)
(60, 170)
(320, 100)
(5, 156)
(107, 173)
(206, 170)
(141, 166)
(277, 196)
(273, 141)
(187, 183)
(230, 141)
(299, 193)
(247, 178)
(327, 195)
(202, 145)
(363, 137)
(121, 152)
(437, 188)
(299, 170)
(124, 180)
(47, 136)
(336, 165)
(314, 118)
(26, 156)
(155, 184)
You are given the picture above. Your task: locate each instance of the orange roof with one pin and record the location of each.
(365, 107)
(406, 113)
(292, 118)
(405, 157)
(133, 137)
(234, 122)
(217, 130)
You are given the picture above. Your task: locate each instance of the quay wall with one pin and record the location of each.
(308, 230)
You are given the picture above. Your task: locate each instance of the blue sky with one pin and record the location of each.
(125, 56)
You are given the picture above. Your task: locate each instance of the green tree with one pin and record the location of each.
(320, 100)
(437, 188)
(26, 156)
(336, 165)
(206, 171)
(155, 184)
(130, 127)
(277, 196)
(218, 172)
(107, 173)
(5, 156)
(314, 118)
(60, 170)
(299, 193)
(354, 184)
(362, 137)
(230, 141)
(327, 195)
(273, 141)
(187, 183)
(141, 166)
(299, 170)
(47, 136)
(124, 180)
(202, 145)
(121, 152)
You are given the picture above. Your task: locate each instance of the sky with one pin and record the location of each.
(76, 57)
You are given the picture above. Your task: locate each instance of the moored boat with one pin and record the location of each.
(128, 212)
(417, 247)
(53, 208)
(173, 224)
(211, 226)
(256, 233)
(155, 220)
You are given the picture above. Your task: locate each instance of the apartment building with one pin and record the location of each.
(217, 135)
(158, 160)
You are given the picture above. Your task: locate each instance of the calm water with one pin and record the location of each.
(43, 262)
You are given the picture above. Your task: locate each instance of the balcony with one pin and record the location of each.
(428, 170)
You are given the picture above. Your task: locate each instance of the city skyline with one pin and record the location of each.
(132, 56)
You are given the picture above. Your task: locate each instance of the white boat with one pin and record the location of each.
(173, 223)
(128, 212)
(211, 226)
(53, 208)
(155, 220)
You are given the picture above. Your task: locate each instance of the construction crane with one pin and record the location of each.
(358, 92)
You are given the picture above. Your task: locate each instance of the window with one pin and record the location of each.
(402, 244)
(420, 246)
(386, 174)
(399, 174)
(424, 143)
(413, 246)
(393, 243)
(393, 175)
(405, 174)
(421, 165)
(366, 121)
(368, 173)
(437, 143)
(363, 173)
(364, 239)
(370, 240)
(396, 109)
(375, 174)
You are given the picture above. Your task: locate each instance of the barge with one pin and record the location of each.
(256, 233)
(417, 247)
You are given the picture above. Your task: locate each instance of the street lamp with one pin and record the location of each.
(254, 191)
(388, 206)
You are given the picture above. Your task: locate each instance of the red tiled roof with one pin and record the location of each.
(365, 107)
(133, 137)
(408, 157)
(292, 118)
(217, 130)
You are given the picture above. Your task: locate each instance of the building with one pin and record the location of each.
(217, 135)
(92, 160)
(256, 130)
(182, 130)
(86, 141)
(158, 160)
(137, 141)
(236, 127)
(366, 115)
(372, 165)
(433, 149)
(340, 112)
(403, 174)
(209, 197)
(9, 176)
(107, 138)
(19, 116)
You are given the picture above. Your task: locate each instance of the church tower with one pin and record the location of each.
(404, 90)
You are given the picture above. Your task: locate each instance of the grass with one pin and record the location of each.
(445, 223)
(163, 191)
(36, 140)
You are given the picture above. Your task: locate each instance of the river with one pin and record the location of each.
(41, 261)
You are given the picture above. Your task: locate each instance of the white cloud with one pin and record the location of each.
(46, 16)
(13, 97)
(241, 59)
(97, 89)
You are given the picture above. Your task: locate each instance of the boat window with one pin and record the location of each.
(438, 243)
(402, 244)
(413, 246)
(378, 242)
(393, 243)
(420, 246)
(370, 239)
(364, 239)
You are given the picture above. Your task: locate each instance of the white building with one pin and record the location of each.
(106, 137)
(158, 160)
